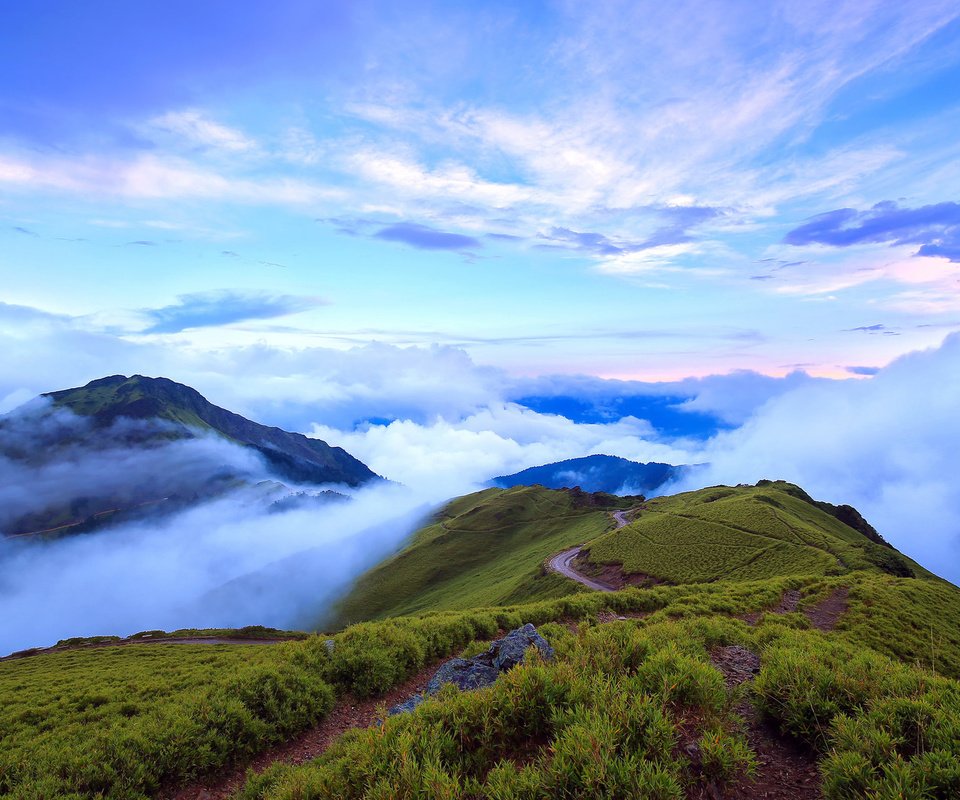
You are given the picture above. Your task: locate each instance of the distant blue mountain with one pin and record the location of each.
(595, 474)
(661, 411)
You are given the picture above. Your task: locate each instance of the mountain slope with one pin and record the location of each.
(744, 533)
(671, 691)
(482, 549)
(291, 455)
(490, 547)
(598, 473)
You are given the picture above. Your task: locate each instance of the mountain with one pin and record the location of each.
(482, 549)
(489, 548)
(764, 646)
(292, 456)
(124, 449)
(594, 474)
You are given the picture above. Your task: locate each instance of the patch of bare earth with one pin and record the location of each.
(604, 617)
(825, 614)
(786, 769)
(612, 575)
(347, 714)
(788, 603)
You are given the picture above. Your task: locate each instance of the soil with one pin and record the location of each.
(786, 769)
(612, 575)
(788, 603)
(825, 614)
(348, 713)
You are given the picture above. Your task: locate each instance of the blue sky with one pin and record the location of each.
(636, 190)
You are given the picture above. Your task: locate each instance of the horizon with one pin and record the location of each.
(462, 240)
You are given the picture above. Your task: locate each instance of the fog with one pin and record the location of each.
(888, 445)
(230, 561)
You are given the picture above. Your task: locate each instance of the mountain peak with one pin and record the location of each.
(291, 455)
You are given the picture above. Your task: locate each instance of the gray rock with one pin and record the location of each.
(482, 670)
(512, 648)
(329, 645)
(407, 705)
(465, 674)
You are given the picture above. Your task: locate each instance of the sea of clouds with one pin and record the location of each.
(440, 425)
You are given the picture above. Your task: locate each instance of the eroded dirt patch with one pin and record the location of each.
(786, 770)
(825, 614)
(789, 601)
(737, 663)
(612, 575)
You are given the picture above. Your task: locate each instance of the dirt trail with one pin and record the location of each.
(347, 714)
(786, 770)
(562, 563)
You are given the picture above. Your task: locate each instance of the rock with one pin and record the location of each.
(407, 705)
(329, 646)
(512, 648)
(465, 674)
(482, 670)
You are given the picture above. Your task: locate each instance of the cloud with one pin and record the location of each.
(425, 238)
(143, 243)
(196, 129)
(499, 439)
(863, 370)
(205, 309)
(887, 445)
(201, 567)
(936, 228)
(25, 231)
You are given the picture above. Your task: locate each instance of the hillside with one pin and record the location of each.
(482, 549)
(744, 533)
(832, 676)
(598, 473)
(292, 456)
(490, 547)
(125, 449)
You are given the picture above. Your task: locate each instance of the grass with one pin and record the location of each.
(878, 698)
(741, 533)
(483, 549)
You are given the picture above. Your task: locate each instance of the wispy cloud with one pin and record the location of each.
(209, 309)
(936, 228)
(424, 237)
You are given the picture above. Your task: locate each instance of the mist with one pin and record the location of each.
(888, 445)
(230, 559)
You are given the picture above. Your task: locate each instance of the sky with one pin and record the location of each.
(461, 239)
(634, 190)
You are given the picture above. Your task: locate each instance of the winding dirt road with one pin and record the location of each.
(562, 563)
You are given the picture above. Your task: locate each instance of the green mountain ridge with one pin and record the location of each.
(787, 653)
(292, 455)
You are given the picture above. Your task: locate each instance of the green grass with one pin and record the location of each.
(878, 698)
(741, 533)
(483, 549)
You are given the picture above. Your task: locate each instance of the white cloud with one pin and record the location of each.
(888, 446)
(499, 439)
(194, 128)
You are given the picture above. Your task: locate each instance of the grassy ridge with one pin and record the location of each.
(608, 719)
(742, 533)
(120, 721)
(483, 549)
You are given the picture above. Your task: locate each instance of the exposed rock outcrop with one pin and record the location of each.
(468, 674)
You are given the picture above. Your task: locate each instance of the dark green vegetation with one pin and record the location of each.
(291, 455)
(745, 533)
(875, 700)
(483, 549)
(597, 473)
(125, 449)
